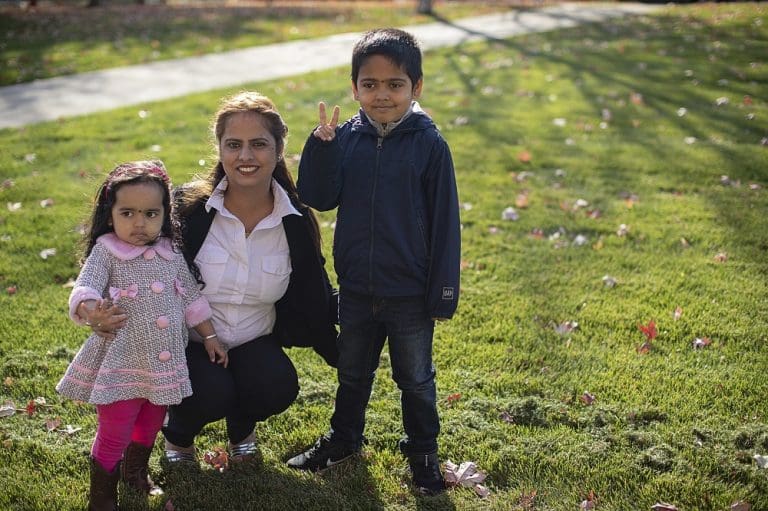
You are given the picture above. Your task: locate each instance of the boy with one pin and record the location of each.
(396, 248)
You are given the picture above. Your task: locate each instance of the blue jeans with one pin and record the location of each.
(366, 322)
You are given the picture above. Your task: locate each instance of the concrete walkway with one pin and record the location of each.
(66, 96)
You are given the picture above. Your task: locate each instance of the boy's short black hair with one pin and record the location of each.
(397, 45)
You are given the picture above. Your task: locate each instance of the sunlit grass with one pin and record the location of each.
(677, 424)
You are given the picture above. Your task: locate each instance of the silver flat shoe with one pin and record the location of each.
(174, 456)
(243, 451)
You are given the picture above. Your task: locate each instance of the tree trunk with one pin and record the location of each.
(424, 7)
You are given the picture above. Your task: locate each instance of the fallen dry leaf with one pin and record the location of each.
(678, 313)
(509, 214)
(644, 348)
(466, 474)
(701, 342)
(218, 459)
(52, 424)
(524, 157)
(69, 430)
(7, 410)
(721, 257)
(48, 252)
(740, 505)
(521, 201)
(566, 327)
(663, 506)
(587, 398)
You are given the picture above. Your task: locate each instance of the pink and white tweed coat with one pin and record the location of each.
(146, 358)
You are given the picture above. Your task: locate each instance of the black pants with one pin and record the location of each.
(260, 381)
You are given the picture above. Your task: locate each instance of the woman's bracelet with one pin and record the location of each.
(212, 336)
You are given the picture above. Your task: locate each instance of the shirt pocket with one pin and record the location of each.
(212, 263)
(275, 274)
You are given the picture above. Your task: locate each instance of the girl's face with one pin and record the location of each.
(248, 151)
(138, 214)
(384, 90)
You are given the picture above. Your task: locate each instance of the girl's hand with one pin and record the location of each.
(216, 350)
(326, 131)
(105, 318)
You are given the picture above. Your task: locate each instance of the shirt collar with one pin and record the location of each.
(126, 251)
(282, 207)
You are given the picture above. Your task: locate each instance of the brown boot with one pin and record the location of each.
(134, 471)
(103, 496)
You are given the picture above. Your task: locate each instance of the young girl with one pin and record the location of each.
(132, 260)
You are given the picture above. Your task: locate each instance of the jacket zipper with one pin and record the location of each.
(373, 214)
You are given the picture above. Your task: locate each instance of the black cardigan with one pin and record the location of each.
(307, 312)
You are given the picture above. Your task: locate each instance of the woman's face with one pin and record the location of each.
(248, 151)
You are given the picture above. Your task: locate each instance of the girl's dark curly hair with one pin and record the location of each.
(150, 171)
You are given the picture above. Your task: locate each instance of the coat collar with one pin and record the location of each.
(125, 251)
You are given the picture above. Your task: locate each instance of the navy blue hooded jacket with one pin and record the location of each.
(397, 227)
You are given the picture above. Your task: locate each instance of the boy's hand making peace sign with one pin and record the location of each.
(326, 131)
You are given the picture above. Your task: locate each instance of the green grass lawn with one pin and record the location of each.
(65, 38)
(633, 152)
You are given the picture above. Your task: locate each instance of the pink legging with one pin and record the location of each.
(123, 422)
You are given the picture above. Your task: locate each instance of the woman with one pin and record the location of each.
(256, 249)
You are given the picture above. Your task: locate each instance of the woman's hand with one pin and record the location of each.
(216, 351)
(104, 318)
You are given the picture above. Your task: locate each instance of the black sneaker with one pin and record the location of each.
(425, 469)
(323, 455)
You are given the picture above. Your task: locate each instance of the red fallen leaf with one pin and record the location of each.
(31, 408)
(747, 100)
(453, 398)
(587, 398)
(11, 290)
(649, 330)
(740, 505)
(524, 157)
(678, 313)
(663, 506)
(536, 233)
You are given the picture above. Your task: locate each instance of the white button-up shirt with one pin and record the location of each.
(244, 275)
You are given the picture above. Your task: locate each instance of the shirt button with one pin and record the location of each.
(157, 286)
(149, 253)
(164, 356)
(163, 322)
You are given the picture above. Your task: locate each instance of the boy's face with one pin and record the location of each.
(384, 90)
